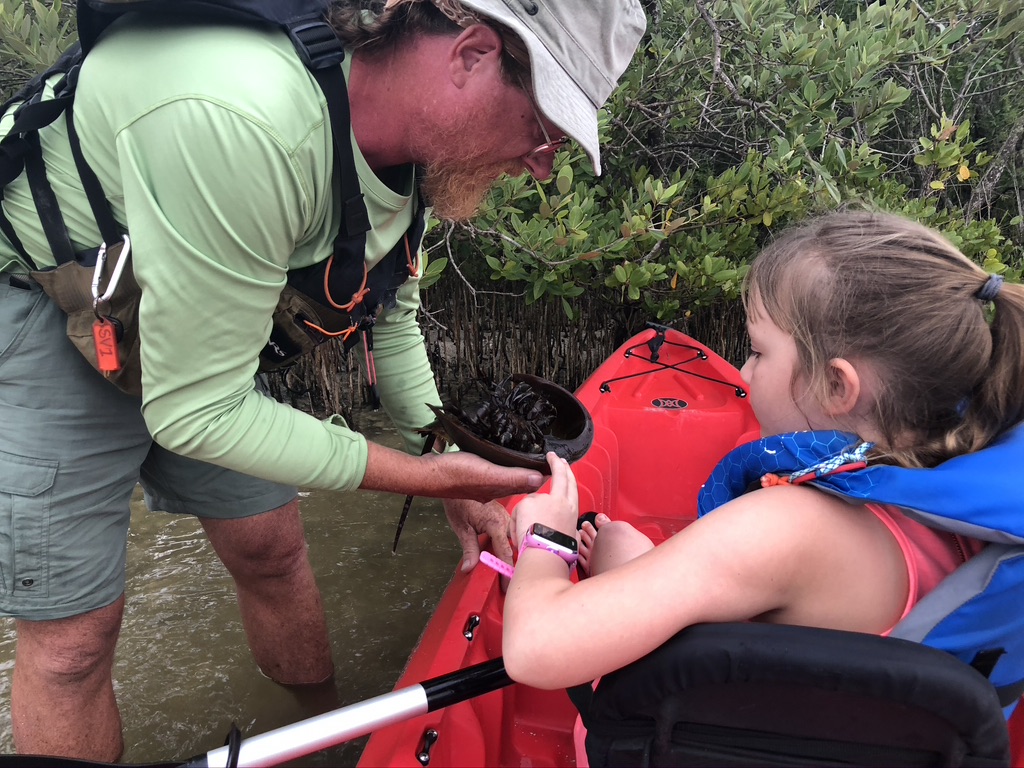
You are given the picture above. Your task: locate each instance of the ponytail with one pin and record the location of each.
(998, 400)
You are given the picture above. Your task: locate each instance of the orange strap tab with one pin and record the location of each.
(104, 336)
(332, 334)
(413, 265)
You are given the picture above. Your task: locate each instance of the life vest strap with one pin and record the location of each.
(101, 211)
(1010, 694)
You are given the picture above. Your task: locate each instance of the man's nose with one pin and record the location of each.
(539, 166)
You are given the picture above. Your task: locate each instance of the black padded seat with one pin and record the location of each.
(751, 694)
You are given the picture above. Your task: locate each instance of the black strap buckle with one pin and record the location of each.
(355, 217)
(16, 282)
(317, 44)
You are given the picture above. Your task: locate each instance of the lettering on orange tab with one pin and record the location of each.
(104, 336)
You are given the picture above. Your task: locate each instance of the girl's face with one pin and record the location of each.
(769, 371)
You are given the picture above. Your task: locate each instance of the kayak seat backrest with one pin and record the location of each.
(749, 694)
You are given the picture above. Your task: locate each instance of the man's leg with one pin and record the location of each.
(70, 449)
(278, 597)
(62, 701)
(255, 528)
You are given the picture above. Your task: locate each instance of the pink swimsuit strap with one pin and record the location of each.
(930, 554)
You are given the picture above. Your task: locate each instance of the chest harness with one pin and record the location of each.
(337, 298)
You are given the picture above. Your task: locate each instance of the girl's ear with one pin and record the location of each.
(844, 387)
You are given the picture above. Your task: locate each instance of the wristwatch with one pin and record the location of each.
(541, 537)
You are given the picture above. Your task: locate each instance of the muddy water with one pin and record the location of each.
(183, 671)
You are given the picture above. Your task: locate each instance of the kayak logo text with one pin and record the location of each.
(669, 403)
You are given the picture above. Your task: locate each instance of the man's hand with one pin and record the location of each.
(471, 518)
(455, 475)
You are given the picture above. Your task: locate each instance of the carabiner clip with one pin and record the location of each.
(97, 274)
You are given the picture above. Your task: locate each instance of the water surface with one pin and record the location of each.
(183, 671)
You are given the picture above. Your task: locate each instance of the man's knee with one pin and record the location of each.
(72, 649)
(269, 545)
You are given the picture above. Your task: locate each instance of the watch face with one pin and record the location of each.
(555, 537)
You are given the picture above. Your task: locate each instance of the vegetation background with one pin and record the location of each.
(736, 119)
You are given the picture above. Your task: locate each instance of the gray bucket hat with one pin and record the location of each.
(578, 50)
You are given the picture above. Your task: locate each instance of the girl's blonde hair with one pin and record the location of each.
(891, 293)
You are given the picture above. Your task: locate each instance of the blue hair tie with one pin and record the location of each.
(990, 289)
(962, 406)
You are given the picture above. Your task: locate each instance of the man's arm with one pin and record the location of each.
(406, 384)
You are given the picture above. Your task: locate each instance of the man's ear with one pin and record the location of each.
(844, 387)
(476, 50)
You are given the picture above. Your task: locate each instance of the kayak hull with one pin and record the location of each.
(665, 409)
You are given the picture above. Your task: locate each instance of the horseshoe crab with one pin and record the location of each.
(523, 418)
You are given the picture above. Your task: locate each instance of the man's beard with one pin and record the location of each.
(459, 172)
(456, 190)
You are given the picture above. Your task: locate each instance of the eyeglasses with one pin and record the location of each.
(549, 147)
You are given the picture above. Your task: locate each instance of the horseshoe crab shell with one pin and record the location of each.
(569, 436)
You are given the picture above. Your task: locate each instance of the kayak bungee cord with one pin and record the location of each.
(654, 344)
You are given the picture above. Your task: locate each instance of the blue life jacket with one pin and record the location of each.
(977, 612)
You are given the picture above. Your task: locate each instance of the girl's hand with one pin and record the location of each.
(558, 508)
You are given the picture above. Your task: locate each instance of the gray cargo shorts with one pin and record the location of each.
(72, 449)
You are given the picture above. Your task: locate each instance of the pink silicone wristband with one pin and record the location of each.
(499, 565)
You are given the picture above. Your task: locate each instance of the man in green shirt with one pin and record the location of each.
(212, 144)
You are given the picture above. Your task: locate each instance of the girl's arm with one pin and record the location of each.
(781, 554)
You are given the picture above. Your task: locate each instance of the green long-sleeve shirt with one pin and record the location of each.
(213, 145)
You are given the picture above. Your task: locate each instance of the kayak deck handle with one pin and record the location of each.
(428, 741)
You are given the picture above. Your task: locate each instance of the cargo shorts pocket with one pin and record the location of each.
(25, 491)
(16, 317)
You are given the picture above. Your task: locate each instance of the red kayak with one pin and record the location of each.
(665, 409)
(664, 413)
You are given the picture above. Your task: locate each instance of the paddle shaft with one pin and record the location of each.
(326, 730)
(355, 720)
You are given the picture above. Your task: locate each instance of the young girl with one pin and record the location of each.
(860, 322)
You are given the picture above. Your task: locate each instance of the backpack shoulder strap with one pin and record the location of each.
(315, 42)
(20, 151)
(302, 19)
